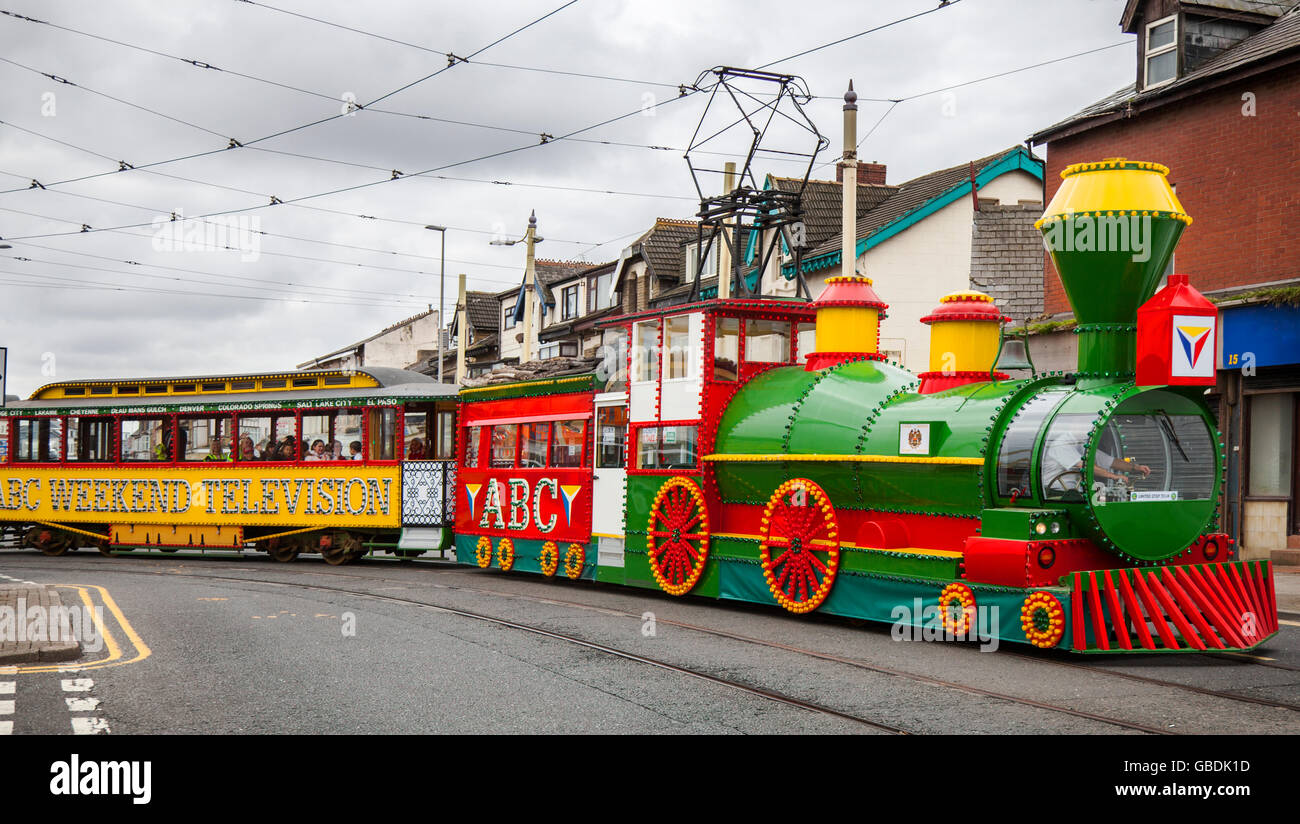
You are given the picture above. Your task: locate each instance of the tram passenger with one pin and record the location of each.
(415, 452)
(336, 451)
(246, 451)
(355, 449)
(217, 451)
(317, 452)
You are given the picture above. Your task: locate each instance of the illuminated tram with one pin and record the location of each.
(336, 462)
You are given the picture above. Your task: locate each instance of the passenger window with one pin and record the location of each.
(567, 438)
(89, 439)
(273, 437)
(767, 341)
(726, 349)
(503, 445)
(39, 440)
(532, 440)
(383, 435)
(416, 430)
(205, 439)
(611, 436)
(645, 357)
(446, 435)
(677, 346)
(472, 437)
(322, 438)
(146, 440)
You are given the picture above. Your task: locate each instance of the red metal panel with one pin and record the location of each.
(1098, 618)
(1218, 621)
(1248, 588)
(1265, 570)
(1175, 615)
(1190, 610)
(1219, 608)
(1076, 614)
(1116, 616)
(1227, 592)
(1154, 611)
(1135, 612)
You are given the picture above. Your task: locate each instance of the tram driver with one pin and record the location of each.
(1063, 464)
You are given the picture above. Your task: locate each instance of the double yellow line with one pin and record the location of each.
(116, 656)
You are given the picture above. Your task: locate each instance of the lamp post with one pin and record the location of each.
(530, 237)
(442, 290)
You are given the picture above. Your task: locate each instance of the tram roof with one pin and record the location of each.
(367, 385)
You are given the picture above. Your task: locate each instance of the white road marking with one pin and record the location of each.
(6, 728)
(8, 687)
(89, 726)
(82, 704)
(6, 707)
(77, 684)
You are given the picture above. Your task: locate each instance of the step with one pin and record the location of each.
(1285, 557)
(1293, 542)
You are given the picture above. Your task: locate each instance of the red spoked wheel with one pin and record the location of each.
(677, 536)
(800, 529)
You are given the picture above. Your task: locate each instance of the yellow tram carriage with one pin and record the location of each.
(334, 461)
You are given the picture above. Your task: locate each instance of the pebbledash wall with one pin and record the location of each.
(1234, 158)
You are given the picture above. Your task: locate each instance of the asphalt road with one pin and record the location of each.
(206, 646)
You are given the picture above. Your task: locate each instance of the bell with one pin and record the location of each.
(1013, 353)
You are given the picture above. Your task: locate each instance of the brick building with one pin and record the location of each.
(1216, 98)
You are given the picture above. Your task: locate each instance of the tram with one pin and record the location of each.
(765, 451)
(329, 461)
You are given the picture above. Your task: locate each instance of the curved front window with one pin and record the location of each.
(1147, 456)
(1017, 449)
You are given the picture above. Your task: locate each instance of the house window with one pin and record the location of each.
(569, 296)
(508, 320)
(602, 299)
(710, 262)
(1161, 52)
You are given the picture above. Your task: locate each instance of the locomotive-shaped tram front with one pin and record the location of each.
(797, 466)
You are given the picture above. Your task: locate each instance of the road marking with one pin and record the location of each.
(89, 726)
(82, 704)
(142, 650)
(1288, 623)
(77, 684)
(6, 728)
(6, 707)
(8, 687)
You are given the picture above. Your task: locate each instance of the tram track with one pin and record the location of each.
(783, 698)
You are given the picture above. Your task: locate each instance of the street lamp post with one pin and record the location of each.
(530, 274)
(442, 291)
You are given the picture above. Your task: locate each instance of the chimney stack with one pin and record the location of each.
(868, 174)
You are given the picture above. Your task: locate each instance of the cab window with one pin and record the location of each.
(767, 341)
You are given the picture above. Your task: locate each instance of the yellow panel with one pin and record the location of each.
(211, 537)
(225, 495)
(1110, 187)
(848, 329)
(963, 345)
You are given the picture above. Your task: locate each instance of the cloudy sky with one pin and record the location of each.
(140, 296)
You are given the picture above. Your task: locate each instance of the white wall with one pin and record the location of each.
(913, 269)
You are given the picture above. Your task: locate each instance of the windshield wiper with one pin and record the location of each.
(1169, 430)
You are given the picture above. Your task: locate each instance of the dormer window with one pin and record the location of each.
(693, 259)
(1161, 53)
